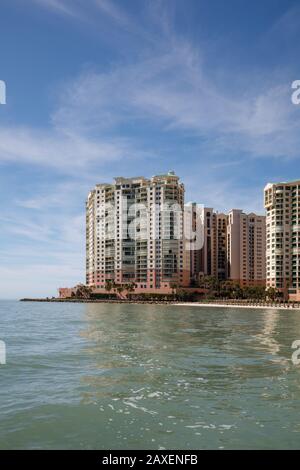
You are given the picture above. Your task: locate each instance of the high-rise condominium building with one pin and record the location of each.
(213, 253)
(134, 233)
(221, 262)
(194, 243)
(233, 247)
(282, 203)
(246, 246)
(208, 255)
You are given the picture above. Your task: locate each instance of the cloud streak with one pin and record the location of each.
(66, 152)
(60, 6)
(173, 90)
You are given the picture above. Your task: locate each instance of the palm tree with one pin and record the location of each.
(174, 287)
(83, 292)
(131, 287)
(108, 285)
(237, 292)
(120, 289)
(271, 293)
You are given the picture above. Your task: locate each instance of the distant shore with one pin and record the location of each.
(180, 303)
(102, 301)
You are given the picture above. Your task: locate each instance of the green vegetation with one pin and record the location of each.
(82, 292)
(179, 295)
(111, 286)
(217, 289)
(213, 289)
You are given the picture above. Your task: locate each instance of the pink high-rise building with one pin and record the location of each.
(134, 233)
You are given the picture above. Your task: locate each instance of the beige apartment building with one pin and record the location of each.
(246, 248)
(233, 247)
(282, 204)
(139, 231)
(134, 234)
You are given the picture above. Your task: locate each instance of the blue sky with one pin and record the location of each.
(100, 88)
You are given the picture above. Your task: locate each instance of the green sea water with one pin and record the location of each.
(101, 376)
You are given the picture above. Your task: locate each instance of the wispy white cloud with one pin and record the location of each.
(75, 8)
(64, 7)
(286, 26)
(26, 229)
(97, 13)
(52, 196)
(174, 90)
(67, 152)
(114, 12)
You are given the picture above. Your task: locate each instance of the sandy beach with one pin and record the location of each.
(263, 307)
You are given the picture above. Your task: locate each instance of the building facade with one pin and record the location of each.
(213, 252)
(193, 243)
(246, 248)
(282, 204)
(233, 247)
(220, 236)
(135, 233)
(139, 232)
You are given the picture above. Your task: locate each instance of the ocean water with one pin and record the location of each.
(101, 376)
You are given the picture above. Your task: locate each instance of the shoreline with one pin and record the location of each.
(179, 303)
(100, 301)
(220, 305)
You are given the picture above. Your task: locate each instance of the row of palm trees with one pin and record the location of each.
(82, 292)
(233, 290)
(111, 286)
(215, 289)
(85, 292)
